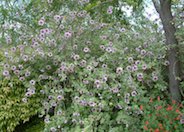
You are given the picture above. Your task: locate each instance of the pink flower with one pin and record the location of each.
(76, 57)
(41, 22)
(86, 49)
(57, 17)
(130, 59)
(32, 82)
(155, 78)
(97, 82)
(119, 70)
(109, 11)
(68, 34)
(5, 73)
(144, 66)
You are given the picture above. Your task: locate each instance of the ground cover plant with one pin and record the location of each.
(81, 73)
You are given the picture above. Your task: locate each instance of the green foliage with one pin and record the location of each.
(13, 110)
(93, 72)
(34, 125)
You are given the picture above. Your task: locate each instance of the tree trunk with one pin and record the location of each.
(165, 14)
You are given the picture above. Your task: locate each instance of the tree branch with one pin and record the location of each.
(157, 5)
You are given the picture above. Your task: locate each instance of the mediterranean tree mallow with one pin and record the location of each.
(95, 76)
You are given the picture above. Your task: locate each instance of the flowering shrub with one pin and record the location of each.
(160, 116)
(95, 76)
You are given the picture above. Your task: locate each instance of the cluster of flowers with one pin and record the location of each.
(168, 117)
(75, 67)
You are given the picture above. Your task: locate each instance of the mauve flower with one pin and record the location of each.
(137, 49)
(24, 100)
(46, 120)
(48, 67)
(127, 95)
(83, 63)
(61, 26)
(91, 22)
(40, 36)
(59, 97)
(27, 74)
(130, 59)
(59, 112)
(32, 91)
(25, 58)
(28, 94)
(127, 101)
(143, 52)
(50, 97)
(134, 93)
(110, 7)
(103, 37)
(116, 36)
(20, 67)
(75, 47)
(16, 72)
(140, 76)
(155, 78)
(134, 68)
(41, 39)
(109, 49)
(89, 68)
(54, 104)
(129, 68)
(182, 120)
(6, 66)
(57, 17)
(68, 34)
(121, 29)
(92, 104)
(83, 102)
(32, 82)
(21, 78)
(5, 73)
(13, 68)
(104, 78)
(109, 11)
(115, 90)
(85, 81)
(13, 49)
(166, 63)
(76, 57)
(8, 40)
(41, 22)
(86, 49)
(50, 54)
(144, 66)
(119, 70)
(102, 47)
(97, 82)
(104, 66)
(137, 62)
